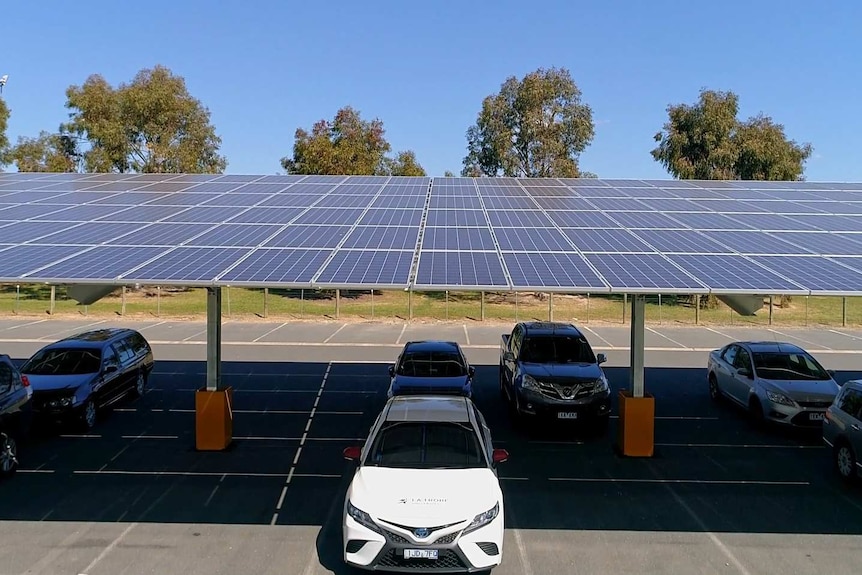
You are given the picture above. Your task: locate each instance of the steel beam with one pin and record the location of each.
(214, 339)
(637, 346)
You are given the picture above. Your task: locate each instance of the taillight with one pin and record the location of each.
(25, 381)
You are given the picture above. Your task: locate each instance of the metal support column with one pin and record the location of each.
(770, 310)
(265, 302)
(844, 311)
(637, 346)
(482, 307)
(53, 299)
(214, 339)
(697, 309)
(550, 307)
(123, 305)
(625, 305)
(337, 303)
(410, 304)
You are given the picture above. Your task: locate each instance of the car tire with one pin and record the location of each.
(8, 455)
(844, 461)
(88, 415)
(714, 391)
(140, 384)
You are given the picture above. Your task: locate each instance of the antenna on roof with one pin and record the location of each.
(3, 79)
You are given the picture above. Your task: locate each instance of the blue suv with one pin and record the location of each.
(436, 367)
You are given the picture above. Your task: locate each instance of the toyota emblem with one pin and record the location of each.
(422, 532)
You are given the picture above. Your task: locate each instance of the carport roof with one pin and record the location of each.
(494, 234)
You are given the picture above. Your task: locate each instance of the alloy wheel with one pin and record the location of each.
(8, 454)
(844, 461)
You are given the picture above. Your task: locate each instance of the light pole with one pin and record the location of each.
(3, 80)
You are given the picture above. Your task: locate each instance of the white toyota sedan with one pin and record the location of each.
(425, 494)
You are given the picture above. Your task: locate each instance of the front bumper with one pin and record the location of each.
(793, 415)
(591, 408)
(478, 550)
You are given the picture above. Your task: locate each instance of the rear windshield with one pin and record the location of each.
(63, 362)
(426, 445)
(787, 366)
(557, 349)
(432, 364)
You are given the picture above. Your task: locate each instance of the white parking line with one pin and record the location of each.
(213, 492)
(658, 333)
(400, 335)
(803, 340)
(157, 324)
(595, 333)
(850, 335)
(466, 335)
(741, 445)
(722, 334)
(25, 324)
(328, 339)
(273, 330)
(108, 549)
(193, 336)
(681, 481)
(79, 328)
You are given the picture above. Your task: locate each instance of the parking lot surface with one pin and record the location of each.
(133, 496)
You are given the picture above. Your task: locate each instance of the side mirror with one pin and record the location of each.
(352, 453)
(744, 372)
(391, 371)
(110, 369)
(471, 371)
(500, 456)
(601, 358)
(508, 356)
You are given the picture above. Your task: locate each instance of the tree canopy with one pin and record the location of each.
(348, 145)
(46, 153)
(707, 141)
(151, 124)
(534, 127)
(4, 139)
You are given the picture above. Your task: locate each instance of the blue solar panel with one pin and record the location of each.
(282, 179)
(160, 234)
(556, 270)
(771, 222)
(20, 232)
(367, 268)
(92, 233)
(519, 219)
(26, 211)
(509, 203)
(503, 191)
(97, 263)
(236, 178)
(141, 214)
(78, 198)
(616, 240)
(644, 271)
(217, 187)
(405, 190)
(751, 242)
(291, 200)
(457, 239)
(663, 205)
(391, 217)
(169, 187)
(456, 202)
(299, 236)
(565, 204)
(285, 266)
(128, 199)
(206, 215)
(266, 216)
(19, 260)
(850, 208)
(702, 194)
(599, 192)
(399, 202)
(734, 273)
(710, 221)
(29, 196)
(458, 218)
(582, 220)
(383, 237)
(682, 241)
(90, 212)
(346, 216)
(814, 273)
(242, 200)
(355, 190)
(235, 235)
(625, 204)
(729, 206)
(830, 223)
(532, 240)
(645, 220)
(188, 264)
(344, 201)
(183, 199)
(453, 269)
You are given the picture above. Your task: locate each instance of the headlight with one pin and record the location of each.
(528, 382)
(361, 517)
(602, 384)
(483, 518)
(779, 398)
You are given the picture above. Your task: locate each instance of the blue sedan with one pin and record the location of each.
(431, 367)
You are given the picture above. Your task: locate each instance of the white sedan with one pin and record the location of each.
(425, 493)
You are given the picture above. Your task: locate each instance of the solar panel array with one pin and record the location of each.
(574, 235)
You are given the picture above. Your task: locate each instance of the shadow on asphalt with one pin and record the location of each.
(713, 470)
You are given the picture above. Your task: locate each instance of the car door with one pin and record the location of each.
(742, 385)
(724, 369)
(110, 380)
(851, 407)
(7, 394)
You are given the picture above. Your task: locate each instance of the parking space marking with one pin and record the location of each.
(722, 334)
(109, 548)
(175, 473)
(36, 470)
(400, 335)
(157, 324)
(850, 335)
(270, 332)
(79, 329)
(679, 417)
(595, 333)
(25, 324)
(803, 340)
(302, 441)
(213, 492)
(743, 445)
(658, 333)
(142, 436)
(248, 411)
(80, 435)
(466, 335)
(197, 334)
(327, 340)
(682, 481)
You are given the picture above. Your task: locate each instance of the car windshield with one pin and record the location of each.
(425, 363)
(787, 366)
(63, 362)
(557, 349)
(426, 445)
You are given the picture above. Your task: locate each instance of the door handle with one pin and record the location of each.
(854, 427)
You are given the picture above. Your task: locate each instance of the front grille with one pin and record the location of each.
(816, 404)
(394, 537)
(489, 548)
(448, 538)
(567, 391)
(446, 559)
(354, 545)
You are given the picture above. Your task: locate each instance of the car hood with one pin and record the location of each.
(57, 382)
(805, 389)
(563, 372)
(424, 497)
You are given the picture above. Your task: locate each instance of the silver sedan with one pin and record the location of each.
(775, 381)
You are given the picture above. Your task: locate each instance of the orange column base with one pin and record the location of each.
(213, 419)
(637, 425)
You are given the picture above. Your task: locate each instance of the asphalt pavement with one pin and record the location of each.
(134, 497)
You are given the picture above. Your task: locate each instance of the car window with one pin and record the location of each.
(426, 445)
(742, 360)
(851, 403)
(139, 344)
(125, 350)
(787, 366)
(7, 378)
(423, 363)
(557, 349)
(111, 358)
(60, 361)
(730, 354)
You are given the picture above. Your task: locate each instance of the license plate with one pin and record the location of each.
(567, 415)
(420, 554)
(815, 416)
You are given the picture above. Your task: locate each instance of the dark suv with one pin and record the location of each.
(15, 412)
(74, 377)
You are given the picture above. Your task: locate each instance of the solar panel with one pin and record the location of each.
(91, 233)
(510, 203)
(235, 235)
(344, 201)
(814, 273)
(613, 240)
(84, 213)
(683, 241)
(645, 220)
(570, 203)
(21, 232)
(277, 266)
(27, 211)
(460, 269)
(752, 242)
(711, 221)
(391, 217)
(291, 200)
(770, 222)
(142, 214)
(98, 262)
(460, 218)
(169, 187)
(161, 234)
(308, 236)
(532, 240)
(205, 215)
(830, 223)
(553, 270)
(383, 237)
(457, 239)
(183, 199)
(624, 204)
(399, 202)
(347, 216)
(216, 187)
(21, 259)
(456, 202)
(128, 198)
(187, 264)
(367, 268)
(582, 219)
(727, 206)
(241, 200)
(734, 274)
(519, 219)
(267, 216)
(854, 208)
(650, 272)
(78, 198)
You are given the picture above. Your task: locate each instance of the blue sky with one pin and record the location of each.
(266, 67)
